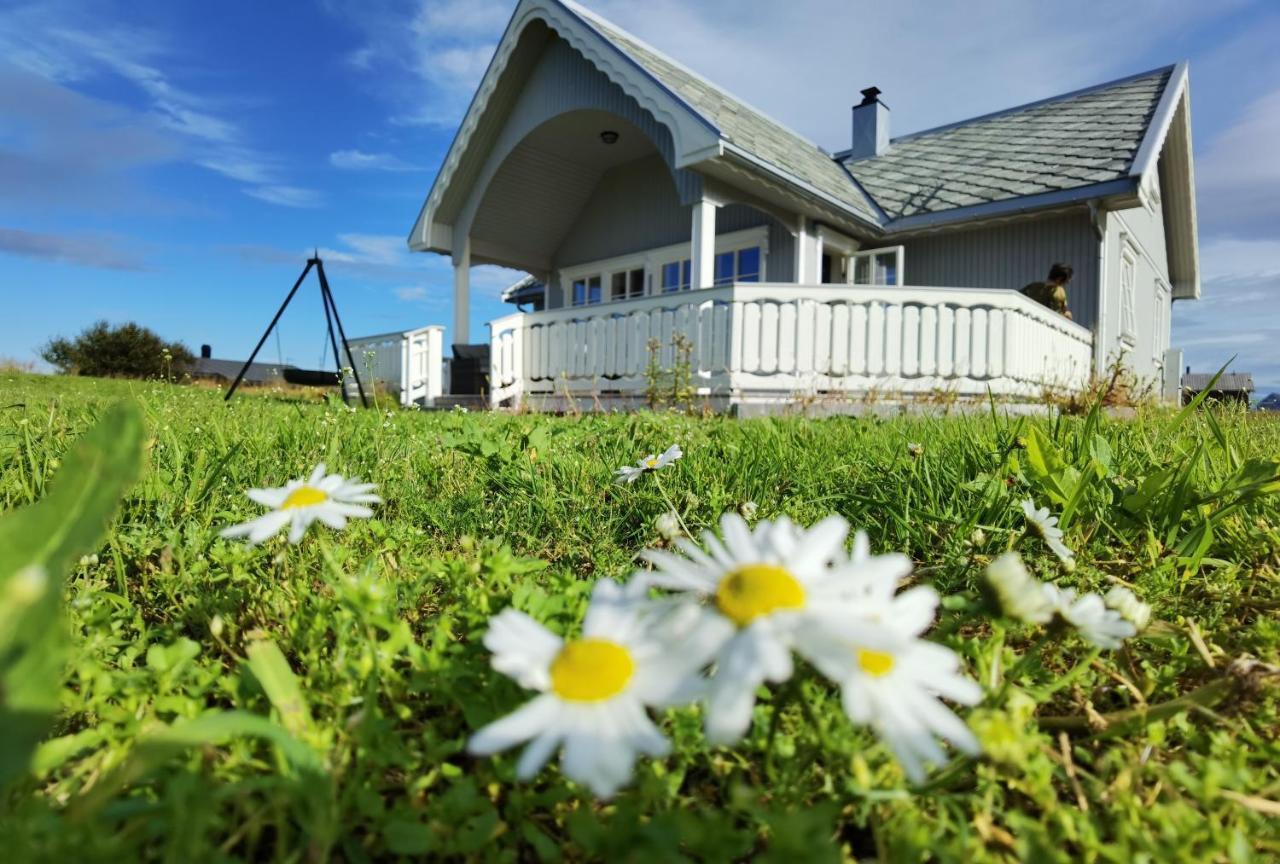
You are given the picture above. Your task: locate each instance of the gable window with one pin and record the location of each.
(878, 266)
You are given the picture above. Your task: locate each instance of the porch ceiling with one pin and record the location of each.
(534, 199)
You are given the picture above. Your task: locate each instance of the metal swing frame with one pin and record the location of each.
(330, 317)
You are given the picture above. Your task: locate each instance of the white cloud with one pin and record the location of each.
(436, 50)
(1236, 315)
(935, 62)
(358, 160)
(285, 196)
(408, 295)
(41, 39)
(1238, 177)
(107, 252)
(62, 149)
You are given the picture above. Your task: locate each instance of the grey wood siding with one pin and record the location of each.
(634, 207)
(561, 81)
(1010, 255)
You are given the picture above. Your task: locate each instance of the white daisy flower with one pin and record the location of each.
(1090, 617)
(759, 594)
(594, 691)
(1046, 527)
(630, 473)
(893, 681)
(668, 525)
(330, 499)
(1129, 606)
(1020, 594)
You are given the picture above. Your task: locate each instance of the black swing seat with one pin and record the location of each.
(310, 377)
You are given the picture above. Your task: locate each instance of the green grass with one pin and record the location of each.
(348, 744)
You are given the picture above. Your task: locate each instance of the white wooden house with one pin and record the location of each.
(647, 202)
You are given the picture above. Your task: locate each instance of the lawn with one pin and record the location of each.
(224, 701)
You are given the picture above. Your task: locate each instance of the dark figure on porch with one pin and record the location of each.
(1053, 291)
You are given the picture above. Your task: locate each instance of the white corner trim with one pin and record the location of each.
(1145, 160)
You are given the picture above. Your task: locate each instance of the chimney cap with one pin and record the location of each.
(869, 95)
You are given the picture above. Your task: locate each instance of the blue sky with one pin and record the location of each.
(173, 163)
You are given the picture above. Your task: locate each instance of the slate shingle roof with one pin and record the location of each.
(1075, 140)
(227, 370)
(741, 124)
(1230, 381)
(1063, 143)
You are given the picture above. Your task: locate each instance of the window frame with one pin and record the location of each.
(652, 261)
(870, 255)
(1128, 293)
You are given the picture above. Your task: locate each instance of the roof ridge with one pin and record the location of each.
(1032, 104)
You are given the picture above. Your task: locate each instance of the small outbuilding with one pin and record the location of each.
(1230, 387)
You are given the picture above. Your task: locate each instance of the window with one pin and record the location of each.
(741, 265)
(627, 284)
(741, 256)
(1128, 312)
(1160, 341)
(676, 276)
(586, 290)
(878, 266)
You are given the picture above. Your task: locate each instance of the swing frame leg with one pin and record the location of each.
(331, 305)
(245, 368)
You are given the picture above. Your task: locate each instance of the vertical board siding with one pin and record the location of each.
(1011, 255)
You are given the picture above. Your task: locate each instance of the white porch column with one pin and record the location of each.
(802, 252)
(703, 259)
(462, 294)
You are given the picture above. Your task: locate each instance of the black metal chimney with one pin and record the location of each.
(206, 351)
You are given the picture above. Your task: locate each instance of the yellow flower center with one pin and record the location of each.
(757, 589)
(877, 664)
(651, 462)
(304, 496)
(591, 670)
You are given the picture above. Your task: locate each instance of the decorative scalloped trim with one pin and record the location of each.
(567, 26)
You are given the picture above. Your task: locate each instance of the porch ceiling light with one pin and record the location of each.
(609, 136)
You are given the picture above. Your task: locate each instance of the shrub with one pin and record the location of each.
(127, 351)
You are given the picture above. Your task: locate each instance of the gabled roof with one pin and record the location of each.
(738, 124)
(1104, 142)
(1228, 382)
(1076, 140)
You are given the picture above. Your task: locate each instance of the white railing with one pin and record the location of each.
(409, 362)
(771, 342)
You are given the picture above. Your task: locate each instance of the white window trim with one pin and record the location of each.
(1163, 316)
(1129, 255)
(900, 263)
(653, 259)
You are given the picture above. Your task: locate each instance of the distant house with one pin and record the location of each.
(210, 368)
(644, 201)
(1231, 387)
(1270, 403)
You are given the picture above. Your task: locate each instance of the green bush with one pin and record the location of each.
(127, 351)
